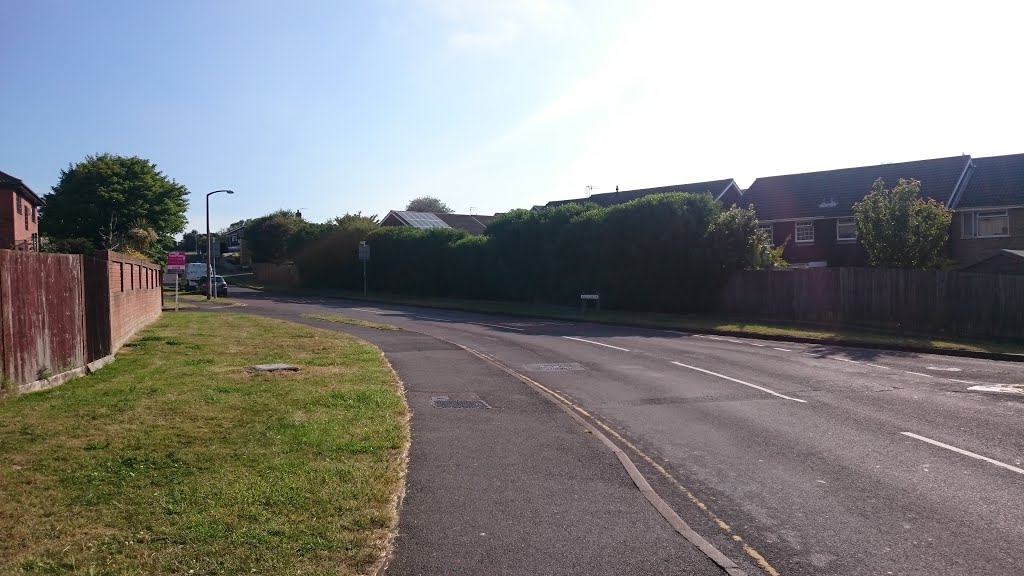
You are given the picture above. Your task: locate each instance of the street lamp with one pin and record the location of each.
(209, 245)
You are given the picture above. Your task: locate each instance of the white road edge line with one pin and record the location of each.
(964, 452)
(878, 366)
(434, 319)
(847, 360)
(495, 326)
(758, 345)
(961, 381)
(781, 349)
(761, 388)
(592, 342)
(365, 310)
(919, 374)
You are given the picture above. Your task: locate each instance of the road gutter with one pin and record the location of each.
(663, 508)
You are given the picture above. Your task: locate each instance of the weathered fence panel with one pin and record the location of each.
(936, 302)
(42, 314)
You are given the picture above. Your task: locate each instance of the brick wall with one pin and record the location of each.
(16, 229)
(968, 251)
(825, 248)
(134, 296)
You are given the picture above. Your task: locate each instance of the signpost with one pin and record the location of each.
(175, 265)
(364, 255)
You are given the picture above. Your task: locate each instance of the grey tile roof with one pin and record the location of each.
(714, 187)
(472, 223)
(833, 193)
(10, 181)
(996, 181)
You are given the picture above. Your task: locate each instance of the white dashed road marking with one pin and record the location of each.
(781, 349)
(964, 452)
(945, 369)
(761, 388)
(592, 342)
(919, 374)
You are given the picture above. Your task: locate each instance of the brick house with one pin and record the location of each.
(19, 214)
(724, 191)
(814, 210)
(989, 216)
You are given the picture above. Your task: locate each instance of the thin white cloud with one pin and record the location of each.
(484, 24)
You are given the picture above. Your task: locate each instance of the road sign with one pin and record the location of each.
(176, 262)
(364, 251)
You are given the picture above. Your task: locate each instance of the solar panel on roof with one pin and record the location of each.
(423, 220)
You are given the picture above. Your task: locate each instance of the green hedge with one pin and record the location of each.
(667, 252)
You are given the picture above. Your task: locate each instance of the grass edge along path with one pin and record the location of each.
(852, 336)
(339, 319)
(176, 459)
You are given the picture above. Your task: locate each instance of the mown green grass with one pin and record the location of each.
(338, 319)
(176, 459)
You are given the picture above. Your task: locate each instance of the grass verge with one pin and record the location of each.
(177, 460)
(851, 336)
(352, 321)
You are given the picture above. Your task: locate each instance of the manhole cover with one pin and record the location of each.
(274, 368)
(457, 404)
(556, 367)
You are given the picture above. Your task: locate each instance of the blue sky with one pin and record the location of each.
(339, 106)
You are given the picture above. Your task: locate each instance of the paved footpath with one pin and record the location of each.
(519, 488)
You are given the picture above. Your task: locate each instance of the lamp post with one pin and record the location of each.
(209, 246)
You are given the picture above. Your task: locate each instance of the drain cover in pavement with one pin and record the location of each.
(446, 402)
(557, 367)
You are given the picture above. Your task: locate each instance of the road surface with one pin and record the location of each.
(790, 458)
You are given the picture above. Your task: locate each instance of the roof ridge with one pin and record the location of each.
(851, 168)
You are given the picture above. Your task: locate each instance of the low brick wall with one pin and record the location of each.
(135, 296)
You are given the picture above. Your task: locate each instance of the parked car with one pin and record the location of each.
(219, 285)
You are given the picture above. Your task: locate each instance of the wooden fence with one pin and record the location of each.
(59, 312)
(934, 302)
(42, 315)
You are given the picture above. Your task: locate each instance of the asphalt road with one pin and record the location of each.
(790, 458)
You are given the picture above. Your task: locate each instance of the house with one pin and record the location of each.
(814, 210)
(989, 217)
(235, 240)
(725, 191)
(19, 214)
(474, 224)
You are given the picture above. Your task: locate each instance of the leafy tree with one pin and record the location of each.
(899, 229)
(101, 200)
(268, 236)
(427, 204)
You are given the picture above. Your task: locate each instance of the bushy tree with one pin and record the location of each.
(427, 204)
(330, 259)
(268, 236)
(101, 200)
(899, 229)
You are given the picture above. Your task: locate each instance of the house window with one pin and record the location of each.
(805, 232)
(33, 213)
(986, 224)
(26, 220)
(846, 230)
(19, 204)
(769, 231)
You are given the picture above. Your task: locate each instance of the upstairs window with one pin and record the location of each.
(19, 204)
(986, 224)
(805, 232)
(769, 231)
(846, 230)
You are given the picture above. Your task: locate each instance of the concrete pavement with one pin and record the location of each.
(791, 458)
